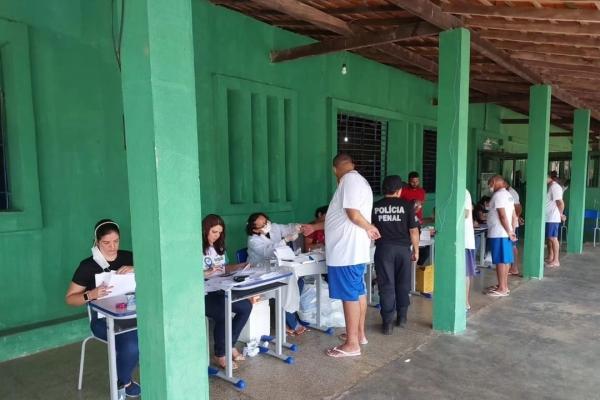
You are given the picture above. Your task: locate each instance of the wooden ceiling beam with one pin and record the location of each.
(433, 14)
(554, 14)
(562, 67)
(323, 20)
(568, 28)
(565, 50)
(565, 60)
(369, 39)
(304, 12)
(541, 38)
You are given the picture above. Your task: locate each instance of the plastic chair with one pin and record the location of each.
(241, 255)
(594, 215)
(82, 357)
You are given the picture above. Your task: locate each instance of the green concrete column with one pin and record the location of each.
(453, 119)
(537, 173)
(579, 161)
(159, 99)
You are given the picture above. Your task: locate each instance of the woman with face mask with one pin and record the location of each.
(106, 257)
(263, 238)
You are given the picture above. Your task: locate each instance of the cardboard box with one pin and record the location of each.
(424, 279)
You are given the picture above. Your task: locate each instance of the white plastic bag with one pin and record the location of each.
(332, 312)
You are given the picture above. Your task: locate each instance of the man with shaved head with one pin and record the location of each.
(501, 233)
(349, 232)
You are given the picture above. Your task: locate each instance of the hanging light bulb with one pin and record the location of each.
(345, 138)
(344, 69)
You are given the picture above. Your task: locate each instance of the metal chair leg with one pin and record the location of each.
(81, 362)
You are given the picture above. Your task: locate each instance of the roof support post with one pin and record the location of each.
(537, 173)
(449, 301)
(577, 188)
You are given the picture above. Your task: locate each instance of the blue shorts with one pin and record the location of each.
(347, 283)
(552, 229)
(502, 250)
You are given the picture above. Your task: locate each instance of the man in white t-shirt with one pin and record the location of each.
(554, 216)
(470, 263)
(501, 233)
(514, 267)
(349, 232)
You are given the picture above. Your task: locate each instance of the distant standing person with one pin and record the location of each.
(470, 264)
(501, 234)
(414, 192)
(514, 268)
(316, 240)
(399, 228)
(554, 216)
(349, 232)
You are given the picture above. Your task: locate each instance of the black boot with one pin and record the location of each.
(401, 317)
(387, 328)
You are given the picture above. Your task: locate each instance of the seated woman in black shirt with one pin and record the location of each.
(106, 256)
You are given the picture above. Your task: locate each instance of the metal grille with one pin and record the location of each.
(429, 160)
(4, 189)
(366, 141)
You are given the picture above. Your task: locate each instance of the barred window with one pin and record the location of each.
(366, 141)
(429, 160)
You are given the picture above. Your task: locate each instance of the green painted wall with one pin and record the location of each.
(245, 105)
(265, 129)
(81, 165)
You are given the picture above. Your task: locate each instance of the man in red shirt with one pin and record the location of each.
(415, 193)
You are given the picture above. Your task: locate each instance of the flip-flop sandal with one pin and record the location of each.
(239, 357)
(343, 338)
(493, 288)
(234, 365)
(338, 353)
(301, 331)
(553, 266)
(290, 332)
(513, 273)
(495, 293)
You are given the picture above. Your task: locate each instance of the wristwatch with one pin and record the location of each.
(85, 296)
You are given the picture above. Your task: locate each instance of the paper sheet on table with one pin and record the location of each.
(121, 283)
(284, 253)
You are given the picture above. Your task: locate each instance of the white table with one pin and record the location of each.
(481, 231)
(315, 268)
(234, 292)
(108, 308)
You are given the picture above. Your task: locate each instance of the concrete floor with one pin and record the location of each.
(540, 343)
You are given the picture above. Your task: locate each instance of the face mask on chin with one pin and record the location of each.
(491, 188)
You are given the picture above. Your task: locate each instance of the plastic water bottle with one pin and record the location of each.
(130, 300)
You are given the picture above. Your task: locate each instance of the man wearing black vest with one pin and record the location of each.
(399, 228)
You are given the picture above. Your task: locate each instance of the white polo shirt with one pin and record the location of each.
(347, 243)
(555, 192)
(500, 199)
(469, 230)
